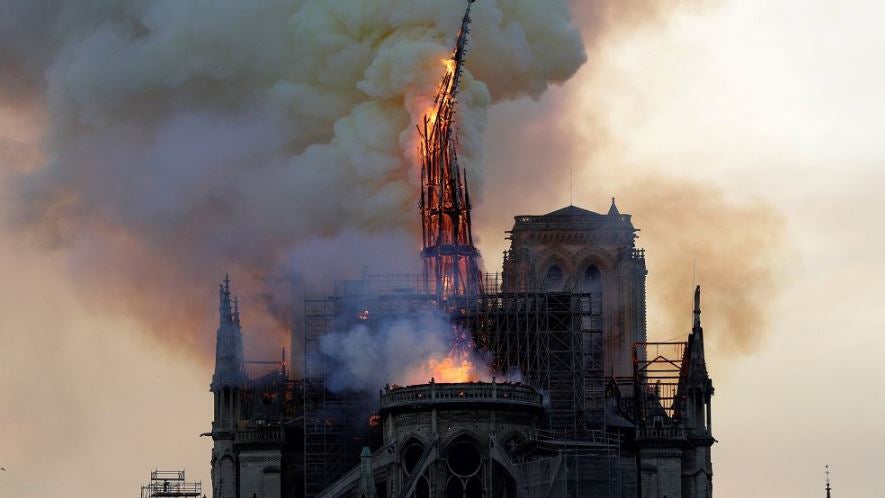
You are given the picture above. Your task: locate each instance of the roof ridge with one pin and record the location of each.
(572, 210)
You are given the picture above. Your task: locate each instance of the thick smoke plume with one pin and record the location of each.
(184, 139)
(730, 248)
(405, 352)
(694, 231)
(275, 139)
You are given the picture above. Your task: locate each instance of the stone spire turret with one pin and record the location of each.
(613, 210)
(367, 477)
(228, 340)
(695, 386)
(694, 395)
(695, 356)
(227, 382)
(224, 307)
(235, 317)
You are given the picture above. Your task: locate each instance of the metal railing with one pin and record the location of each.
(263, 435)
(170, 484)
(590, 437)
(662, 433)
(459, 393)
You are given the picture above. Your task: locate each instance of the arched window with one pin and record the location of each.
(592, 280)
(410, 457)
(413, 450)
(464, 457)
(466, 474)
(554, 279)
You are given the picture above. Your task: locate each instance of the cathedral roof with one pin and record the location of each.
(577, 216)
(573, 211)
(574, 218)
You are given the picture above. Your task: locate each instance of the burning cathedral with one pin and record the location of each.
(580, 403)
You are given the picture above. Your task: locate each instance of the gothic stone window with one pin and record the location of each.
(592, 280)
(554, 279)
(465, 469)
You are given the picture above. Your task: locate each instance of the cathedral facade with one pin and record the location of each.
(599, 411)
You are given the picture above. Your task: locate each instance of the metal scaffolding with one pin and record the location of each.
(549, 340)
(336, 423)
(657, 368)
(327, 452)
(554, 341)
(170, 484)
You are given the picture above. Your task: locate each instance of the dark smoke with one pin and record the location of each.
(186, 139)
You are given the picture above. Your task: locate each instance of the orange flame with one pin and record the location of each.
(449, 64)
(457, 367)
(431, 111)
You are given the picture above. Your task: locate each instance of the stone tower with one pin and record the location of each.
(576, 250)
(227, 381)
(695, 394)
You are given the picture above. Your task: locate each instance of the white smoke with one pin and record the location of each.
(189, 138)
(403, 351)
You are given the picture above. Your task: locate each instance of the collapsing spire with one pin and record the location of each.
(450, 259)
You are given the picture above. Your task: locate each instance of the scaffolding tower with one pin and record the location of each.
(170, 484)
(554, 341)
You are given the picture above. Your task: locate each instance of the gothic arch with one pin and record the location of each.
(594, 256)
(410, 452)
(461, 434)
(552, 259)
(465, 463)
(410, 437)
(558, 256)
(591, 280)
(605, 263)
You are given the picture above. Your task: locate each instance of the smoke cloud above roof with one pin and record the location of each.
(183, 139)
